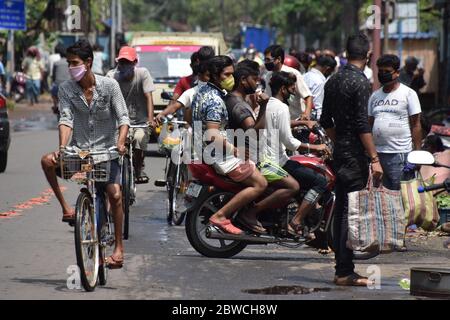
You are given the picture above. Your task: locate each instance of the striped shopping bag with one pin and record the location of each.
(375, 219)
(420, 208)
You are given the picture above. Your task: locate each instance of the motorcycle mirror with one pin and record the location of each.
(421, 158)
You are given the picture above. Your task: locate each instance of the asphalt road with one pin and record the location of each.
(36, 248)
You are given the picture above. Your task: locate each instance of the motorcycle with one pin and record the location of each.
(210, 191)
(18, 86)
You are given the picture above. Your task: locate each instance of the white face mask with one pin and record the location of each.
(291, 99)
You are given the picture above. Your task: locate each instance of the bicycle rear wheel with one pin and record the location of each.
(86, 241)
(126, 195)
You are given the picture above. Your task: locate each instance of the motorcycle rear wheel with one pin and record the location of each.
(197, 220)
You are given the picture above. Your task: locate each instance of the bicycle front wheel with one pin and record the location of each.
(86, 241)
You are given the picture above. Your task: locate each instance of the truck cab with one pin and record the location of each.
(167, 56)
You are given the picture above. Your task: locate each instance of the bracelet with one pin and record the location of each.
(308, 147)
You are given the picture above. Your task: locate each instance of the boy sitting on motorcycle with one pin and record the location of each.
(278, 137)
(241, 116)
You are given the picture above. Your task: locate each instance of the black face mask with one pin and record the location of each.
(249, 90)
(270, 66)
(385, 77)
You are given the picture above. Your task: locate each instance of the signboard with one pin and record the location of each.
(408, 14)
(13, 15)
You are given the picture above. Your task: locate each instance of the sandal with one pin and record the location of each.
(354, 280)
(142, 178)
(255, 227)
(113, 263)
(299, 230)
(226, 226)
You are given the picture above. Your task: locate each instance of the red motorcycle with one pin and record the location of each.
(210, 191)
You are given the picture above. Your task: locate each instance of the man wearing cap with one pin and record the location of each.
(137, 86)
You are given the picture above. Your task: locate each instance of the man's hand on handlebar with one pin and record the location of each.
(121, 149)
(321, 149)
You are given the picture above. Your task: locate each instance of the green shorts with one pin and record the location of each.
(271, 171)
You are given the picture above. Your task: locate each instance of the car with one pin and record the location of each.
(5, 138)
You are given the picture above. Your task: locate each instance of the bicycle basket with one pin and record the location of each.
(79, 170)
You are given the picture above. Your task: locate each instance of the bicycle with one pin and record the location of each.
(128, 183)
(176, 174)
(94, 228)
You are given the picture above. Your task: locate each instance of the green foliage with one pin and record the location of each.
(443, 201)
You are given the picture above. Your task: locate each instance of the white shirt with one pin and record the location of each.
(368, 73)
(52, 59)
(277, 134)
(391, 129)
(297, 106)
(315, 80)
(186, 98)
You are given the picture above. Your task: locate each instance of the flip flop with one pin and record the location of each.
(226, 226)
(141, 179)
(112, 263)
(354, 280)
(256, 228)
(298, 230)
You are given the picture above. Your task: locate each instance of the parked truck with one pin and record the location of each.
(167, 56)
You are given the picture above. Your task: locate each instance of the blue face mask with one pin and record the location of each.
(125, 71)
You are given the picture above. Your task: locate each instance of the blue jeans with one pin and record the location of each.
(33, 88)
(392, 164)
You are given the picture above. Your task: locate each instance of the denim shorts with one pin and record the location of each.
(392, 164)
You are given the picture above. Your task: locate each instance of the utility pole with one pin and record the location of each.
(10, 61)
(386, 27)
(119, 16)
(376, 50)
(113, 32)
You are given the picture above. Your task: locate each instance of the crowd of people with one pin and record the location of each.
(44, 71)
(372, 131)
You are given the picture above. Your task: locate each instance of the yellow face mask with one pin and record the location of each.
(227, 84)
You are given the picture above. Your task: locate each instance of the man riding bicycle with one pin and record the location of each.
(137, 86)
(93, 111)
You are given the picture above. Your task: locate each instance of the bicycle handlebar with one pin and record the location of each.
(73, 151)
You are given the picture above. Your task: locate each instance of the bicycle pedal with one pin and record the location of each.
(160, 183)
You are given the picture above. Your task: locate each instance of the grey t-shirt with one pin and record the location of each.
(134, 93)
(60, 71)
(238, 111)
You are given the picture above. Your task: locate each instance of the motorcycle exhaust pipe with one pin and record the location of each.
(215, 233)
